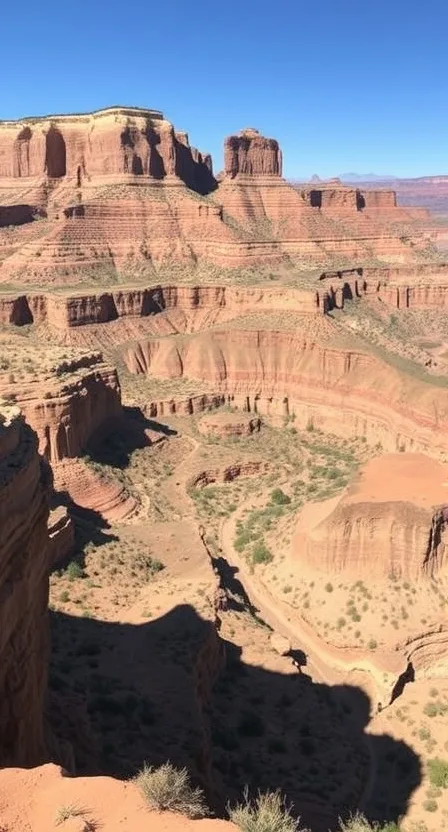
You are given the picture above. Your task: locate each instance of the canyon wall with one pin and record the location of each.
(294, 376)
(391, 521)
(66, 407)
(108, 143)
(73, 310)
(25, 484)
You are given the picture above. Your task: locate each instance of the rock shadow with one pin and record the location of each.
(131, 432)
(89, 527)
(172, 689)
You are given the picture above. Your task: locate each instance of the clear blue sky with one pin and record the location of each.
(344, 85)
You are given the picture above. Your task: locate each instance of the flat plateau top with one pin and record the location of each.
(402, 477)
(106, 111)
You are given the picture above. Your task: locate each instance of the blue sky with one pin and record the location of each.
(343, 85)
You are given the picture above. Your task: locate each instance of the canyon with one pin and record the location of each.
(223, 447)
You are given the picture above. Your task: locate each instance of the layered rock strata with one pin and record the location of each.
(392, 521)
(290, 375)
(122, 189)
(25, 485)
(115, 142)
(68, 403)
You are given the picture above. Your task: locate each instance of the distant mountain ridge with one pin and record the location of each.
(366, 177)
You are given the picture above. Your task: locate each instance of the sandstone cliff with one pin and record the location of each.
(65, 399)
(392, 521)
(292, 374)
(24, 564)
(251, 154)
(119, 141)
(121, 190)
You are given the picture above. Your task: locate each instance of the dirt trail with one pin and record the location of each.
(324, 662)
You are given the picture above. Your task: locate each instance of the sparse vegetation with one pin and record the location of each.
(268, 812)
(167, 788)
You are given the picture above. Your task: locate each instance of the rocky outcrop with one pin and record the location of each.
(61, 533)
(66, 311)
(422, 286)
(392, 521)
(227, 425)
(251, 154)
(25, 485)
(67, 404)
(116, 142)
(286, 374)
(122, 188)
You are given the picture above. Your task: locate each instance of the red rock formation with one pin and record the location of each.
(67, 406)
(61, 534)
(285, 374)
(25, 485)
(226, 425)
(112, 186)
(251, 154)
(391, 521)
(113, 142)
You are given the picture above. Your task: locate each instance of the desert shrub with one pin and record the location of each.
(268, 812)
(71, 810)
(430, 805)
(438, 773)
(279, 497)
(242, 539)
(74, 570)
(358, 823)
(328, 587)
(372, 645)
(261, 553)
(167, 788)
(431, 709)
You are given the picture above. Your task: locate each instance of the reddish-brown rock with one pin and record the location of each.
(251, 154)
(25, 485)
(292, 374)
(392, 521)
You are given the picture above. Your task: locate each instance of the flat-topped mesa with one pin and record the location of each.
(392, 520)
(251, 154)
(25, 484)
(118, 142)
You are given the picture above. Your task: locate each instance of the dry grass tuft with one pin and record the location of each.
(168, 789)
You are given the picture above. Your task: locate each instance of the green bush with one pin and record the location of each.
(438, 773)
(74, 571)
(268, 812)
(279, 498)
(261, 553)
(167, 788)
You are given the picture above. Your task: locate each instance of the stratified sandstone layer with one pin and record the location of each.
(252, 154)
(120, 192)
(118, 141)
(66, 397)
(392, 521)
(25, 485)
(300, 374)
(229, 424)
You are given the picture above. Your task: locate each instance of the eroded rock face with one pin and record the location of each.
(69, 403)
(225, 425)
(392, 521)
(25, 485)
(113, 142)
(292, 374)
(252, 154)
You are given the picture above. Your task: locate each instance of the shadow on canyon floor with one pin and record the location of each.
(171, 688)
(131, 432)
